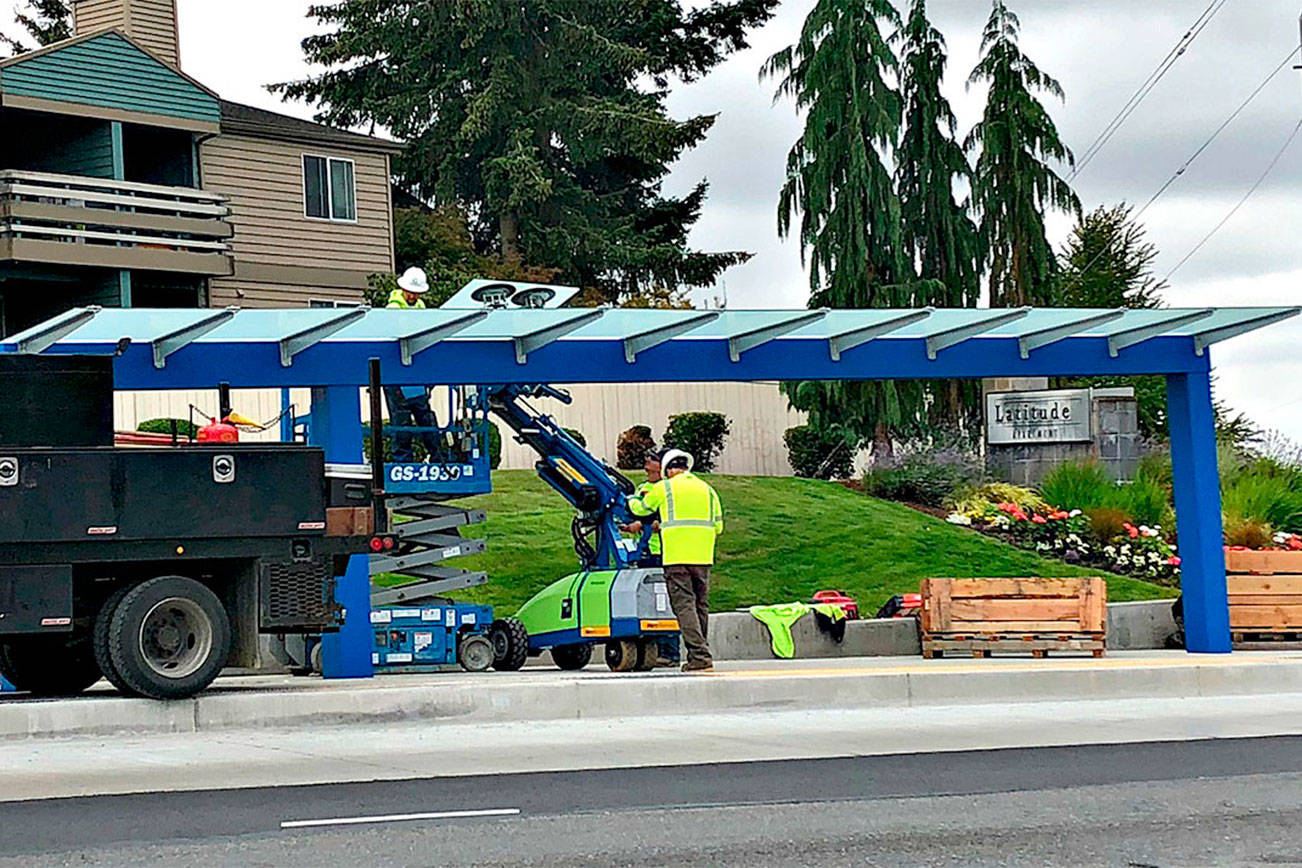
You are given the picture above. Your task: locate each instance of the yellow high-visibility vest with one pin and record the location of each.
(653, 544)
(691, 517)
(399, 301)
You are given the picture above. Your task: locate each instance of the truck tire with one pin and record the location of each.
(49, 665)
(169, 638)
(510, 644)
(475, 653)
(99, 640)
(571, 657)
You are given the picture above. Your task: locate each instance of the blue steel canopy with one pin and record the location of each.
(172, 349)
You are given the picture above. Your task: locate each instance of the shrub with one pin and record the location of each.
(633, 447)
(578, 436)
(1145, 501)
(1264, 498)
(184, 427)
(922, 478)
(700, 435)
(1248, 533)
(815, 453)
(974, 502)
(1107, 523)
(494, 446)
(1079, 485)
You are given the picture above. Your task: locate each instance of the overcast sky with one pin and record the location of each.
(1100, 50)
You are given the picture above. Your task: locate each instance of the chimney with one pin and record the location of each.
(152, 23)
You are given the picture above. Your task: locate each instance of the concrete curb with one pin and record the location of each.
(537, 695)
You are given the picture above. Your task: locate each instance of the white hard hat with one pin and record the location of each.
(413, 280)
(675, 454)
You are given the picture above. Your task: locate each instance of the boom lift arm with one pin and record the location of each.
(594, 488)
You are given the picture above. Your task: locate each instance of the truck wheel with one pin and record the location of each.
(621, 655)
(49, 665)
(99, 640)
(475, 653)
(169, 638)
(510, 644)
(571, 657)
(648, 654)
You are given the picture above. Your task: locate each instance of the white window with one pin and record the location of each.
(329, 189)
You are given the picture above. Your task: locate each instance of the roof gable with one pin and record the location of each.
(107, 74)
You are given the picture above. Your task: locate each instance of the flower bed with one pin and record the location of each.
(1071, 535)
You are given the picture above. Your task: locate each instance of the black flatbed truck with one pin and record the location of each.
(153, 567)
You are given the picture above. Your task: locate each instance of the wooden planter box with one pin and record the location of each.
(978, 616)
(1265, 596)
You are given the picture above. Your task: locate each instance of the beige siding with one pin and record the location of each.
(757, 411)
(264, 180)
(152, 23)
(225, 292)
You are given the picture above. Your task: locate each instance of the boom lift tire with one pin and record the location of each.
(648, 654)
(475, 653)
(571, 657)
(510, 644)
(622, 655)
(62, 665)
(169, 637)
(99, 640)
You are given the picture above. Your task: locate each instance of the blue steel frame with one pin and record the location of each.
(328, 351)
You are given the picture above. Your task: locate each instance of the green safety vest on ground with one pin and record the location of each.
(653, 544)
(691, 517)
(399, 301)
(782, 617)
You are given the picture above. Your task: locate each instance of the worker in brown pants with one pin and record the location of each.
(691, 519)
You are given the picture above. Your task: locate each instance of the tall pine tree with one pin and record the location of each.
(1015, 183)
(840, 188)
(938, 232)
(46, 22)
(545, 121)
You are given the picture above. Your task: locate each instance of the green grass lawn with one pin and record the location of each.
(783, 540)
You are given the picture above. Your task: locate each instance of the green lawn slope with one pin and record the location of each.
(783, 540)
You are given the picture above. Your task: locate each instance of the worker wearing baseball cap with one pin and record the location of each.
(691, 519)
(409, 405)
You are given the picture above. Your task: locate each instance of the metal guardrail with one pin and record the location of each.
(73, 209)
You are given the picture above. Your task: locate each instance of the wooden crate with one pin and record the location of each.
(1265, 596)
(978, 616)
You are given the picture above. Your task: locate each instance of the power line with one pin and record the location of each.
(1189, 162)
(1246, 196)
(1146, 88)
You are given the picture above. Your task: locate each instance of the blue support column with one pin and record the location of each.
(337, 427)
(1198, 513)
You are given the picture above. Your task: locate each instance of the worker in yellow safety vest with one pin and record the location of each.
(409, 405)
(691, 519)
(666, 646)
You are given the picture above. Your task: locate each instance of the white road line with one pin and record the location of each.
(398, 818)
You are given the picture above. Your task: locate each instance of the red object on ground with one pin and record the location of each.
(847, 603)
(219, 432)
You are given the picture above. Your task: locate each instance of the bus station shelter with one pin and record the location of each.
(328, 350)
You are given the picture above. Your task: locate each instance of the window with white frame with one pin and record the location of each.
(329, 188)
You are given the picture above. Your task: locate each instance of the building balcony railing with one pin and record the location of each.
(79, 221)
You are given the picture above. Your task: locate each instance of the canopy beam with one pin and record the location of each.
(956, 335)
(844, 341)
(416, 342)
(42, 338)
(296, 343)
(1032, 341)
(527, 343)
(1118, 341)
(1204, 339)
(183, 337)
(642, 341)
(749, 340)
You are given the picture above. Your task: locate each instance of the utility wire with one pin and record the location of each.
(1189, 162)
(1246, 196)
(1146, 88)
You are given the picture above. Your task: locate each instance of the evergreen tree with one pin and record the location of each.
(1108, 262)
(1014, 183)
(545, 121)
(46, 22)
(937, 229)
(839, 185)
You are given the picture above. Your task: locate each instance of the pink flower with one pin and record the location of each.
(1173, 561)
(1132, 530)
(1039, 519)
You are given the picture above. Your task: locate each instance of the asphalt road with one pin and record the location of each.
(1234, 801)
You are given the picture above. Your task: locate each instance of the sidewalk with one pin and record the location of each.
(595, 694)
